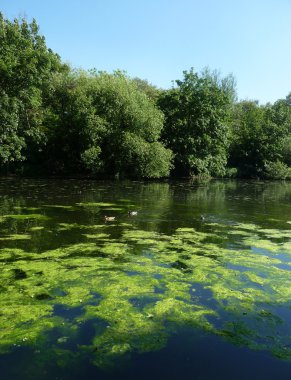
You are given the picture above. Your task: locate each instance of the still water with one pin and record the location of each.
(164, 294)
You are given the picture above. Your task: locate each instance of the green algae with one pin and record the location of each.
(276, 234)
(70, 226)
(36, 228)
(245, 226)
(23, 208)
(62, 207)
(96, 236)
(286, 247)
(113, 209)
(75, 226)
(96, 204)
(141, 237)
(263, 244)
(240, 232)
(13, 237)
(25, 216)
(144, 285)
(125, 224)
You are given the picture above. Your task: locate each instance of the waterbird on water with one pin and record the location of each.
(202, 217)
(109, 218)
(132, 213)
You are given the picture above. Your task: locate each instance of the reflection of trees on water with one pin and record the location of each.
(241, 200)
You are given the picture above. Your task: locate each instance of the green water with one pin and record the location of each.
(84, 296)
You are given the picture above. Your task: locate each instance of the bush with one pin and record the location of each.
(231, 172)
(91, 159)
(277, 170)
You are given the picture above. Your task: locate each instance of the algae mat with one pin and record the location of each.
(75, 287)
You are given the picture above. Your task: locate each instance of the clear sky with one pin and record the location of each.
(158, 39)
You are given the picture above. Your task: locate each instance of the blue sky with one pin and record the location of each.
(158, 39)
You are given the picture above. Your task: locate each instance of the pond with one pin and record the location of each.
(197, 285)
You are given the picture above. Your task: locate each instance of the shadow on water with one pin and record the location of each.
(190, 354)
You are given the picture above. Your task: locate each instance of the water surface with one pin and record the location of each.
(162, 294)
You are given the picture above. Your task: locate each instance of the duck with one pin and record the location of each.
(109, 218)
(202, 218)
(132, 213)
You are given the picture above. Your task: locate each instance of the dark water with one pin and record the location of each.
(165, 293)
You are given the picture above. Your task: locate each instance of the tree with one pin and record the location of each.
(258, 135)
(26, 66)
(150, 90)
(11, 144)
(286, 150)
(104, 124)
(195, 123)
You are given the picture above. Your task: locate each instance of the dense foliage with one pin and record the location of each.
(261, 139)
(26, 66)
(195, 127)
(103, 124)
(56, 120)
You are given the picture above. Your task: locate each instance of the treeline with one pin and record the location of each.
(55, 120)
